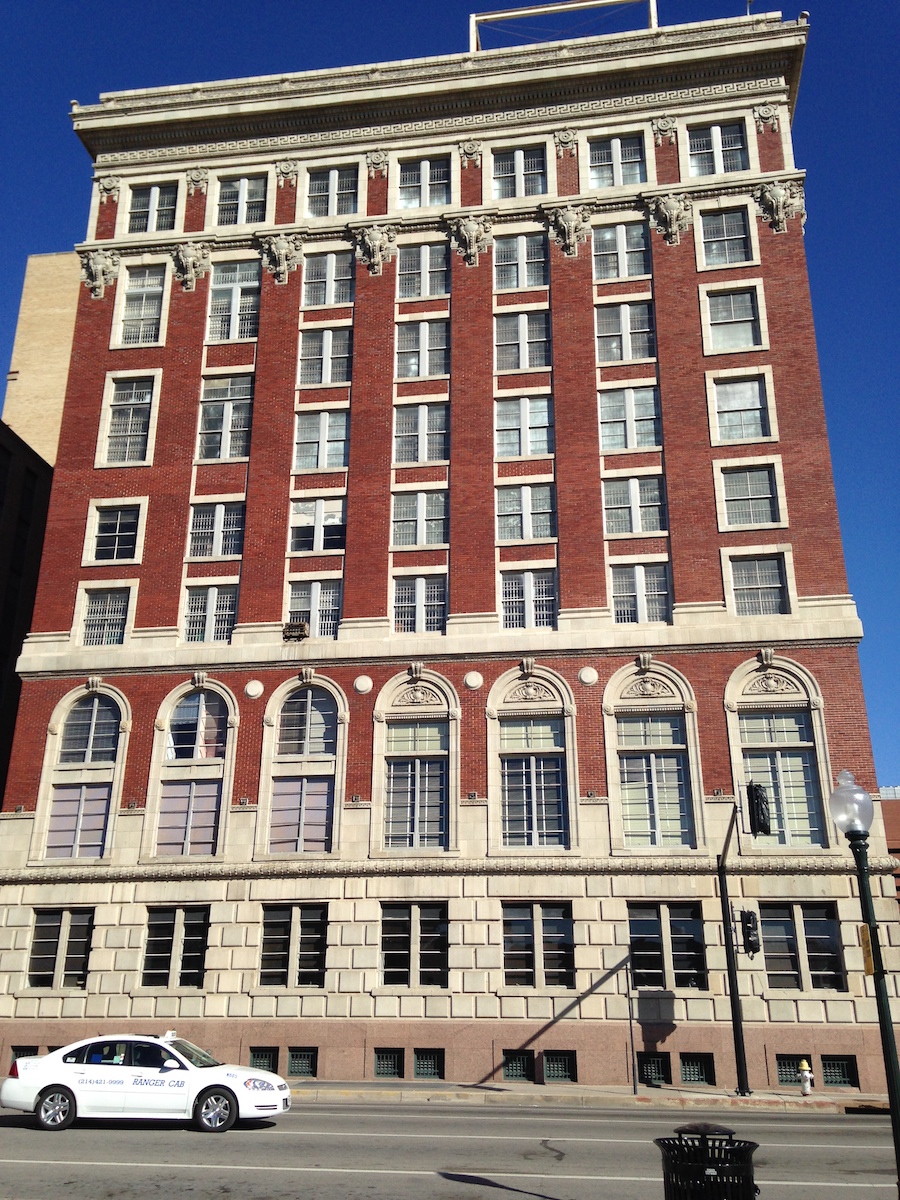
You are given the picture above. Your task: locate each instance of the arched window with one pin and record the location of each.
(778, 738)
(91, 731)
(651, 746)
(302, 818)
(192, 770)
(531, 726)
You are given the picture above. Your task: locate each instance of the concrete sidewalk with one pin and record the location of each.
(573, 1095)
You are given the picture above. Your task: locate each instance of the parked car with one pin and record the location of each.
(125, 1075)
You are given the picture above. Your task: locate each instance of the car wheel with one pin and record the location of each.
(215, 1110)
(55, 1108)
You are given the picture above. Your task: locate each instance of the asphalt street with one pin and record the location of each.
(410, 1152)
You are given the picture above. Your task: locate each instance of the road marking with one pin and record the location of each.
(117, 1166)
(524, 1137)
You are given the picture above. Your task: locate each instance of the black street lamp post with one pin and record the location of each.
(852, 811)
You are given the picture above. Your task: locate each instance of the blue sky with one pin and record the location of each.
(846, 135)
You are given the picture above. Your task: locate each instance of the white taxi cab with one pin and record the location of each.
(125, 1075)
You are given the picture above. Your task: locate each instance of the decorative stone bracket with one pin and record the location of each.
(569, 227)
(779, 200)
(566, 142)
(108, 187)
(99, 269)
(664, 128)
(470, 152)
(470, 236)
(672, 215)
(191, 261)
(197, 180)
(281, 254)
(377, 162)
(766, 114)
(287, 171)
(375, 245)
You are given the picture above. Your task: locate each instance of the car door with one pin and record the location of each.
(100, 1080)
(155, 1090)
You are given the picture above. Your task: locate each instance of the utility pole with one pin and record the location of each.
(737, 1016)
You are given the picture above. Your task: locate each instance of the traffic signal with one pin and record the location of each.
(758, 807)
(750, 932)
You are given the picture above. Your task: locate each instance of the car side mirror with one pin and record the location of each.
(171, 1064)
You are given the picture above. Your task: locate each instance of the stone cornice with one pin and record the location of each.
(675, 59)
(815, 864)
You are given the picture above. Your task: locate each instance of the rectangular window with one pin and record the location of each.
(640, 593)
(389, 1063)
(560, 1066)
(524, 426)
(414, 945)
(302, 816)
(332, 193)
(654, 1070)
(294, 945)
(303, 1061)
(143, 305)
(698, 1068)
(421, 433)
(668, 947)
(420, 519)
(726, 237)
(326, 355)
(423, 271)
(625, 331)
(328, 279)
(129, 421)
(317, 603)
(621, 251)
(520, 173)
(60, 947)
(779, 754)
(538, 945)
(116, 533)
(751, 497)
(522, 340)
(742, 409)
(234, 302)
(533, 800)
(718, 149)
(210, 613)
(840, 1070)
(423, 348)
(424, 182)
(630, 418)
(79, 814)
(105, 616)
(321, 440)
(225, 417)
(733, 320)
(318, 525)
(654, 781)
(618, 161)
(529, 599)
(152, 208)
(428, 1064)
(759, 586)
(420, 604)
(217, 530)
(521, 262)
(519, 1065)
(242, 201)
(175, 954)
(189, 817)
(802, 946)
(635, 505)
(416, 806)
(526, 513)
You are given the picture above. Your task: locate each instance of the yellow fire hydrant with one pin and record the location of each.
(805, 1075)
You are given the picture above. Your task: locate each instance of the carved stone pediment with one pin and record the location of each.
(470, 236)
(672, 215)
(769, 683)
(569, 227)
(191, 261)
(419, 693)
(779, 200)
(649, 687)
(99, 269)
(281, 254)
(375, 244)
(530, 692)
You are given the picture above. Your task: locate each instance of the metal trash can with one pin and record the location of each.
(706, 1162)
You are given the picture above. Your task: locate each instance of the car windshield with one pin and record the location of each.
(195, 1056)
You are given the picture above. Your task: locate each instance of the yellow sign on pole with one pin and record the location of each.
(865, 937)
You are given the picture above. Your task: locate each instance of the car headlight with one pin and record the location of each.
(259, 1085)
